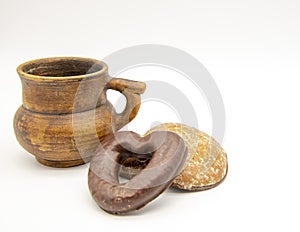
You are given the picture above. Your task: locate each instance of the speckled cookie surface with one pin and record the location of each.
(206, 165)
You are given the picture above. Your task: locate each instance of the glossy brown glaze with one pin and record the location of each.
(168, 153)
(65, 113)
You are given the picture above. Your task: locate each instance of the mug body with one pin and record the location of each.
(55, 90)
(65, 114)
(62, 140)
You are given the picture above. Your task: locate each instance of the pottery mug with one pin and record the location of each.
(65, 113)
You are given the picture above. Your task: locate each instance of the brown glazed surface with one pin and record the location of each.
(50, 85)
(168, 153)
(206, 165)
(65, 113)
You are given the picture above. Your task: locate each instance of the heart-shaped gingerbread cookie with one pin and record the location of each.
(168, 154)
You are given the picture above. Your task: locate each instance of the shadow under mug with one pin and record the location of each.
(65, 113)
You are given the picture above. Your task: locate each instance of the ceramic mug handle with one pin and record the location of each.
(131, 90)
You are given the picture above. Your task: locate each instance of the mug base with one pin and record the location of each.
(61, 164)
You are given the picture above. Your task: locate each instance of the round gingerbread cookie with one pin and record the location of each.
(206, 165)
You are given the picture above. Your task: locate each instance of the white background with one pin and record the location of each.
(251, 48)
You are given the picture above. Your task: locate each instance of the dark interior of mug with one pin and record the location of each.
(62, 67)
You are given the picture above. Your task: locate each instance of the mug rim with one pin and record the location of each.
(23, 74)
